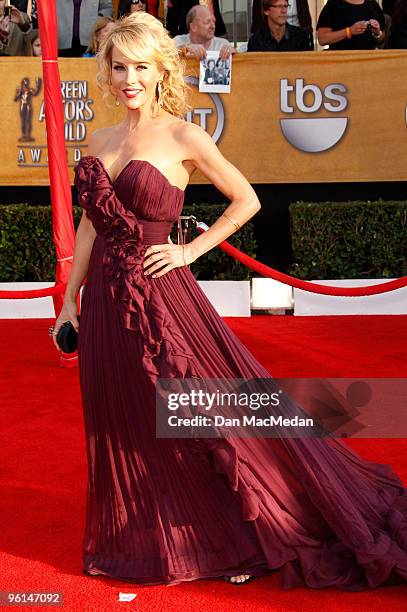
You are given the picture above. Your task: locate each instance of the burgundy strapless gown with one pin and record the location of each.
(173, 510)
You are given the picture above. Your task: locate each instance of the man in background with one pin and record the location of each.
(277, 34)
(201, 35)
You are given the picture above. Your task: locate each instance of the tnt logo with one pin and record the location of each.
(312, 134)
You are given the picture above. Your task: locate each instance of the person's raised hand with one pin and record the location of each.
(161, 258)
(16, 15)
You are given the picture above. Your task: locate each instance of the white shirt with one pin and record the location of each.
(216, 44)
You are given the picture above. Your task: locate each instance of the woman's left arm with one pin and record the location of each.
(205, 155)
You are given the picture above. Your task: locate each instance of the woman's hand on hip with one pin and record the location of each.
(161, 258)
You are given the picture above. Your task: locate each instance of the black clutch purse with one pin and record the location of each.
(67, 337)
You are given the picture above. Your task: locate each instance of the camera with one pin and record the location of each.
(369, 27)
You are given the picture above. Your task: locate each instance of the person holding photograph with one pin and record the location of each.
(201, 35)
(177, 23)
(171, 510)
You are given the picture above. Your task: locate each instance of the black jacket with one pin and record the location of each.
(259, 20)
(294, 39)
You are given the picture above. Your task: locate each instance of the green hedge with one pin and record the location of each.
(349, 239)
(27, 251)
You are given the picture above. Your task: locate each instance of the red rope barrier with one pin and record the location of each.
(305, 285)
(32, 293)
(258, 267)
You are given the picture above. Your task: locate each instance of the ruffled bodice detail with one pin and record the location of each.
(166, 353)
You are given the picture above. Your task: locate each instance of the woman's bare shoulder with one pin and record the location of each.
(98, 138)
(192, 137)
(187, 128)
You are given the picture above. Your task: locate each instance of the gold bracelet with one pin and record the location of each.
(235, 223)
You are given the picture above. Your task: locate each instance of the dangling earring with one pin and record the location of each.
(117, 101)
(159, 93)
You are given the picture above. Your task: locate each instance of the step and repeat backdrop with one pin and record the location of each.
(290, 117)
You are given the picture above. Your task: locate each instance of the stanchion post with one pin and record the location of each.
(185, 225)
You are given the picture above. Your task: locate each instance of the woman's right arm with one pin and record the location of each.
(84, 240)
(85, 237)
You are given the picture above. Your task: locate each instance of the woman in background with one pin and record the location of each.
(100, 30)
(126, 7)
(33, 43)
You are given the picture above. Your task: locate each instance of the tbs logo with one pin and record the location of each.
(308, 134)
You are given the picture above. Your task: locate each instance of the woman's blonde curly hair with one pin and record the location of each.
(142, 38)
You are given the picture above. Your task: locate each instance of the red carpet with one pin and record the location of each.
(43, 475)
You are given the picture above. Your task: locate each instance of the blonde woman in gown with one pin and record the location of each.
(163, 510)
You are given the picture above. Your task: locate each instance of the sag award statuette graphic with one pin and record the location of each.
(24, 95)
(78, 114)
